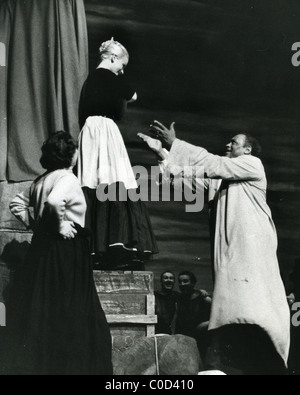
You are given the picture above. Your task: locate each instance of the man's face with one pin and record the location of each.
(185, 284)
(168, 282)
(237, 147)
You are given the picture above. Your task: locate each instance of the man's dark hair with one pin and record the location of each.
(191, 275)
(254, 144)
(165, 272)
(58, 151)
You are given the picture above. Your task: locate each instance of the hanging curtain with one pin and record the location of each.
(47, 64)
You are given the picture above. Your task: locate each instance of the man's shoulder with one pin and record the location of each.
(254, 166)
(254, 160)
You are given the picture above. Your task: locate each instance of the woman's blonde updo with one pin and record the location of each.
(112, 47)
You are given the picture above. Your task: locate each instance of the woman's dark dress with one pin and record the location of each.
(55, 322)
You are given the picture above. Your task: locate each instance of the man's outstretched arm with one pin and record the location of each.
(182, 154)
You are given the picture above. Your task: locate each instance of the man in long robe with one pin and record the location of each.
(248, 287)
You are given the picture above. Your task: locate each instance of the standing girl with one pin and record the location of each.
(121, 230)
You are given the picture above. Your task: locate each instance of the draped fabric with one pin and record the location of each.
(47, 64)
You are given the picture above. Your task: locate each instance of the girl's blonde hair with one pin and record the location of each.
(112, 47)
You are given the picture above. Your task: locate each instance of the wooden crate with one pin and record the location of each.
(128, 301)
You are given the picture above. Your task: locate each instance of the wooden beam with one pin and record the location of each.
(150, 305)
(132, 319)
(124, 283)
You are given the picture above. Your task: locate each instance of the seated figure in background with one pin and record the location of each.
(166, 301)
(193, 311)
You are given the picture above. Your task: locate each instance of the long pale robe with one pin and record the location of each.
(248, 286)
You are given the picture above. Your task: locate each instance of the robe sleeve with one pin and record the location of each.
(243, 168)
(181, 174)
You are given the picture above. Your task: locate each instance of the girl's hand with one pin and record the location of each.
(67, 230)
(291, 299)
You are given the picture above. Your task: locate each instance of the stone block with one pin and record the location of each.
(167, 355)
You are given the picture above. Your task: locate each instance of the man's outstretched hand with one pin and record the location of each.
(166, 135)
(154, 144)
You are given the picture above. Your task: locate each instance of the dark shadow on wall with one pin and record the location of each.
(13, 257)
